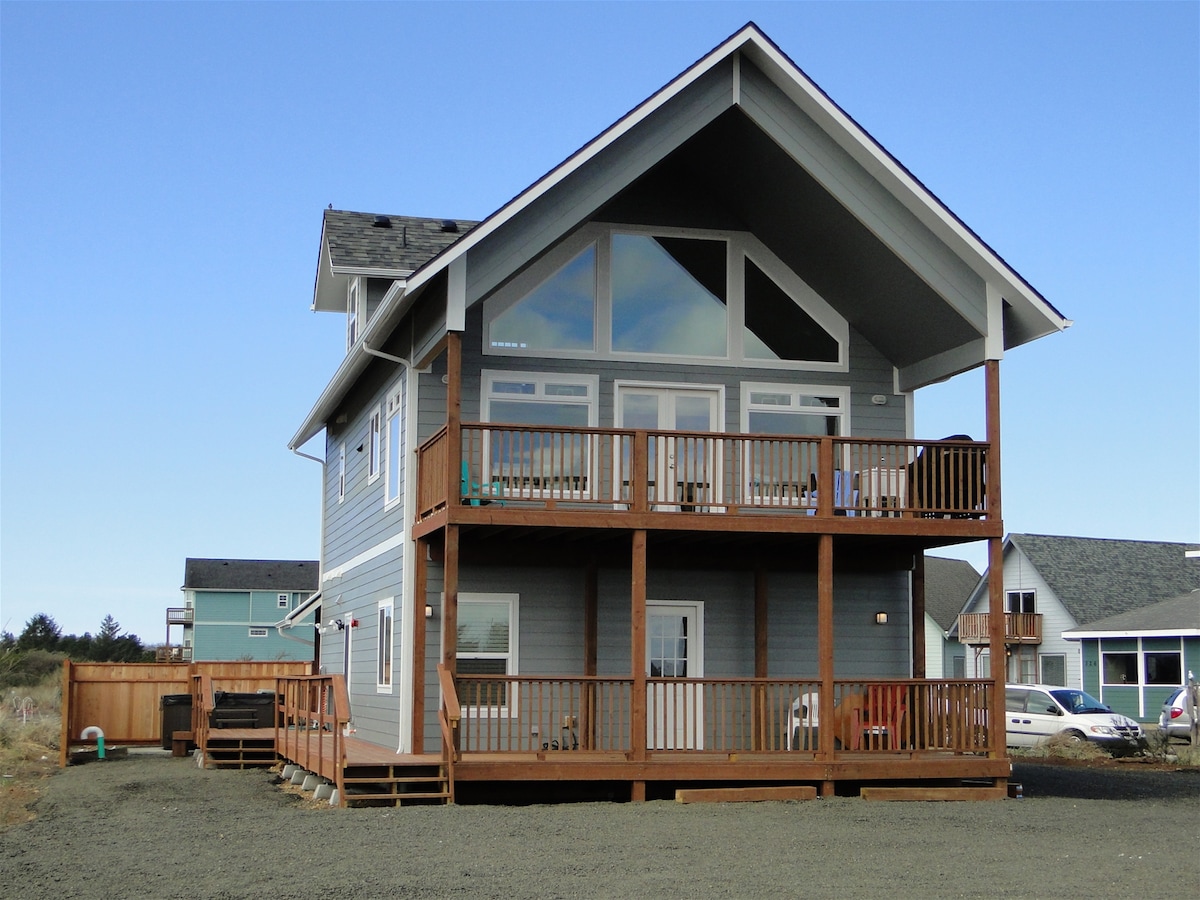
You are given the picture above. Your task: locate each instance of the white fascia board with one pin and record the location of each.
(1114, 635)
(396, 302)
(896, 179)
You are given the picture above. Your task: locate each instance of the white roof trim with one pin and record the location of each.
(1127, 633)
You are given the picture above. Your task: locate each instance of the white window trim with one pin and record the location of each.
(374, 445)
(341, 472)
(513, 667)
(1140, 653)
(1019, 592)
(283, 601)
(796, 391)
(256, 632)
(355, 303)
(739, 245)
(389, 605)
(487, 394)
(393, 410)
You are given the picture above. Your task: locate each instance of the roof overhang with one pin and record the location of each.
(1016, 309)
(1076, 635)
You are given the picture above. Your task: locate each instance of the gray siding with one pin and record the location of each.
(551, 623)
(863, 195)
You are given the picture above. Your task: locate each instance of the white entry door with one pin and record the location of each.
(675, 650)
(683, 470)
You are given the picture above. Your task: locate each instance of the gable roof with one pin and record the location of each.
(383, 246)
(927, 291)
(1095, 578)
(1176, 617)
(948, 586)
(250, 574)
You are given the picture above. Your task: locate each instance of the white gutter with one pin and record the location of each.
(313, 600)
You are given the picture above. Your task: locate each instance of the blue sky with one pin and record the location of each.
(165, 166)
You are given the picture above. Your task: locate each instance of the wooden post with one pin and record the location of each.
(996, 631)
(450, 606)
(64, 751)
(420, 599)
(591, 627)
(825, 466)
(640, 476)
(454, 454)
(825, 651)
(918, 616)
(996, 650)
(637, 648)
(762, 721)
(992, 384)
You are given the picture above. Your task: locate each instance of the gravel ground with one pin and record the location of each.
(154, 826)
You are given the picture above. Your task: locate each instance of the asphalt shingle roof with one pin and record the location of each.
(1095, 578)
(948, 586)
(1176, 614)
(355, 241)
(251, 574)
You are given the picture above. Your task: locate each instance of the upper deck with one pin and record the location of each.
(549, 476)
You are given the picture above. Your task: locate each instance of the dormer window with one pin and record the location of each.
(680, 295)
(355, 296)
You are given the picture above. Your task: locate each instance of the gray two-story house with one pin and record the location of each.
(620, 483)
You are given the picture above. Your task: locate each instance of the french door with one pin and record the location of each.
(674, 650)
(683, 469)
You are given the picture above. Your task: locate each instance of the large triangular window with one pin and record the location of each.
(559, 314)
(777, 328)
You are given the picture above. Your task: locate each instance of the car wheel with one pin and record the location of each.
(1075, 737)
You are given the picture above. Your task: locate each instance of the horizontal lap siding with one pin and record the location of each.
(358, 528)
(551, 622)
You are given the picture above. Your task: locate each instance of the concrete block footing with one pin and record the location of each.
(298, 776)
(310, 783)
(289, 770)
(323, 791)
(334, 798)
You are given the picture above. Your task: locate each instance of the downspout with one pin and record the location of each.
(283, 623)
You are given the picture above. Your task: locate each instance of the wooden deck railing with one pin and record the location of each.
(180, 615)
(675, 471)
(1019, 628)
(203, 702)
(310, 729)
(449, 718)
(515, 714)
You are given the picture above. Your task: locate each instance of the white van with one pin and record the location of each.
(1036, 712)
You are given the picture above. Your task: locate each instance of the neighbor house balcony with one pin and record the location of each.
(180, 615)
(608, 477)
(1019, 628)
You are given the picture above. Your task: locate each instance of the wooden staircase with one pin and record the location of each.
(400, 783)
(240, 748)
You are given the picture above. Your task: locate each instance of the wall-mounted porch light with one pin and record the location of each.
(428, 612)
(880, 618)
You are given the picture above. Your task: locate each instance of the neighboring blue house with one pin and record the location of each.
(231, 607)
(1057, 589)
(1133, 660)
(628, 467)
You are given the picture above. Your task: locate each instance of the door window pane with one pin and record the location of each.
(668, 296)
(668, 646)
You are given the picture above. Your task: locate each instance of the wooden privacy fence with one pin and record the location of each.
(124, 700)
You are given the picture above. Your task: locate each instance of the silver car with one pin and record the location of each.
(1175, 718)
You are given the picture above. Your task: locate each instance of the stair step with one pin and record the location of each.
(421, 779)
(399, 798)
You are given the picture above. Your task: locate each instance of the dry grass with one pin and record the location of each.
(30, 732)
(1062, 747)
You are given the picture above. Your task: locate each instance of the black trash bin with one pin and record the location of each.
(176, 716)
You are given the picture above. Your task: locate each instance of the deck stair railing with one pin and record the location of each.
(310, 729)
(449, 719)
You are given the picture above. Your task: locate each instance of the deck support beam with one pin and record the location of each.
(917, 616)
(825, 652)
(450, 606)
(637, 727)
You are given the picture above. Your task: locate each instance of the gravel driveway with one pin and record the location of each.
(154, 826)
